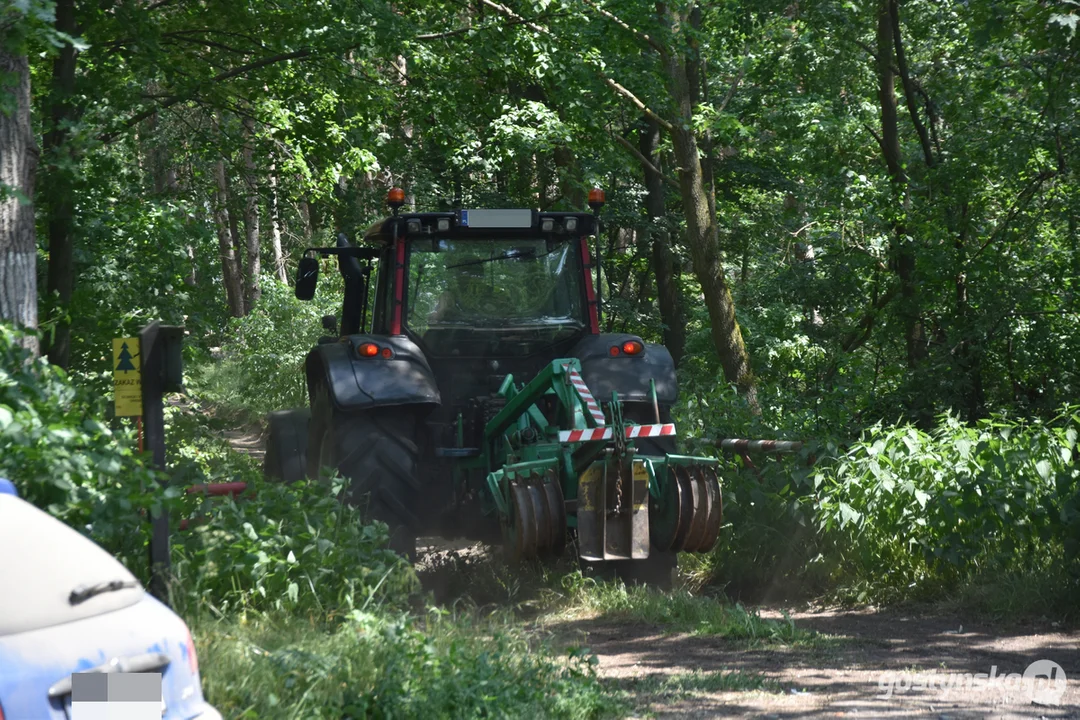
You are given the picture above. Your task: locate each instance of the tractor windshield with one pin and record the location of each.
(495, 284)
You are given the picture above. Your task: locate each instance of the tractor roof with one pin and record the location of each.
(483, 224)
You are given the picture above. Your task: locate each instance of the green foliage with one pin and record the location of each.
(386, 666)
(906, 511)
(291, 548)
(262, 363)
(62, 457)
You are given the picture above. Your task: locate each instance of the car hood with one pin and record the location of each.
(43, 561)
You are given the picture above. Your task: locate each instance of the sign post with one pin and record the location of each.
(162, 372)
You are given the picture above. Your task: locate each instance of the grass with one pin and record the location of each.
(680, 685)
(383, 666)
(677, 611)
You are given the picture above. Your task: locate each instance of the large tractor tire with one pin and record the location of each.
(286, 445)
(376, 450)
(658, 569)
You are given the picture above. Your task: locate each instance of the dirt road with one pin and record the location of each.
(872, 665)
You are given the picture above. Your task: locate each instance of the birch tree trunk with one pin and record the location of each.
(18, 165)
(275, 227)
(252, 291)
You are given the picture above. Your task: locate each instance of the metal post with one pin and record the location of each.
(154, 434)
(776, 446)
(161, 372)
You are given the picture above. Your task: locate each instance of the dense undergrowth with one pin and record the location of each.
(985, 513)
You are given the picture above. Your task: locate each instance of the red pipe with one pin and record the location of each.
(218, 489)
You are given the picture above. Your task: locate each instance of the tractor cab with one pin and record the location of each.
(491, 283)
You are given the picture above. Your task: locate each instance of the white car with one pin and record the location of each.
(66, 606)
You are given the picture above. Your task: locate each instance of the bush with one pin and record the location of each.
(65, 460)
(262, 367)
(293, 548)
(905, 510)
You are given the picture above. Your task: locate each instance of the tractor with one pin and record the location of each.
(479, 398)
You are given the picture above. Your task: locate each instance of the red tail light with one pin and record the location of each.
(367, 350)
(614, 350)
(632, 347)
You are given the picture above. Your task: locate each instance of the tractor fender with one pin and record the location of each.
(628, 375)
(355, 382)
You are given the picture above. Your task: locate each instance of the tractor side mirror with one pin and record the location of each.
(307, 277)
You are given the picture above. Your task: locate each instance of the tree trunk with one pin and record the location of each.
(699, 93)
(903, 254)
(668, 296)
(275, 227)
(232, 213)
(252, 291)
(230, 270)
(59, 191)
(307, 225)
(701, 231)
(569, 178)
(18, 164)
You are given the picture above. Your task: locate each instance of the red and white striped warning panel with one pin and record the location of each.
(585, 435)
(635, 431)
(605, 433)
(586, 395)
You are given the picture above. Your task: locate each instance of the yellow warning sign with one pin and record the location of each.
(127, 379)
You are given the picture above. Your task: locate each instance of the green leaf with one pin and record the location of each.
(1066, 21)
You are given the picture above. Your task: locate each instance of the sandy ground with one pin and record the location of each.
(851, 675)
(248, 440)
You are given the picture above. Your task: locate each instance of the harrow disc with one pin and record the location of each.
(716, 509)
(700, 498)
(665, 514)
(686, 508)
(540, 517)
(687, 515)
(556, 508)
(520, 533)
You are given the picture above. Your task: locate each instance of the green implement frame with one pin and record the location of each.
(581, 469)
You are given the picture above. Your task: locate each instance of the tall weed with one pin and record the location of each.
(907, 510)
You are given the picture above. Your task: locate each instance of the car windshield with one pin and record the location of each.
(493, 284)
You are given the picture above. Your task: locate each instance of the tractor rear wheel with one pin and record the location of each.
(376, 451)
(286, 445)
